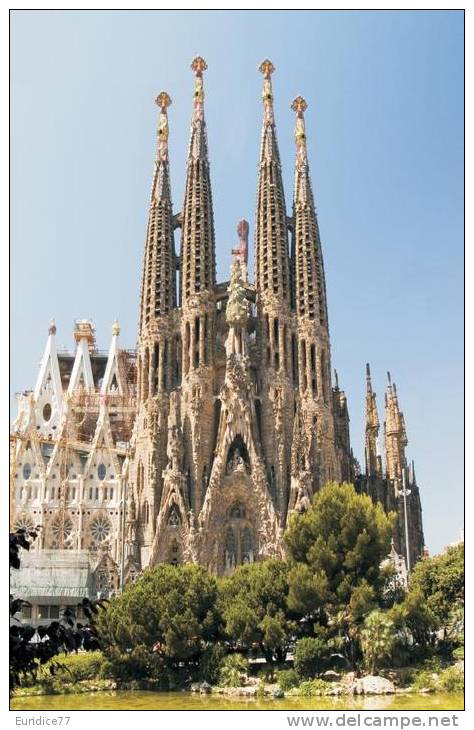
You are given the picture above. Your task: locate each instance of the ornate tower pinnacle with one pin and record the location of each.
(308, 267)
(271, 236)
(163, 101)
(159, 278)
(267, 68)
(372, 426)
(395, 434)
(197, 242)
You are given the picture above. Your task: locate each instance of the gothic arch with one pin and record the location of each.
(237, 454)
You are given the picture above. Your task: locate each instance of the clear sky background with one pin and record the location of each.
(385, 136)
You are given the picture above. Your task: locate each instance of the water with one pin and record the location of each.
(185, 701)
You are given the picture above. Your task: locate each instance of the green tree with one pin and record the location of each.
(377, 639)
(310, 657)
(233, 670)
(253, 604)
(163, 621)
(343, 539)
(440, 580)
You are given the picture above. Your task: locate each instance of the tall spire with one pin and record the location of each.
(372, 426)
(198, 267)
(395, 433)
(159, 271)
(307, 263)
(271, 235)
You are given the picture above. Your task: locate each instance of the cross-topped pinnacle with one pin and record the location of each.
(198, 65)
(266, 68)
(299, 105)
(163, 100)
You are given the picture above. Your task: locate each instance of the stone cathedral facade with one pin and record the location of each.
(225, 420)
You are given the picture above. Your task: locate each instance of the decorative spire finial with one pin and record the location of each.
(115, 329)
(267, 68)
(163, 100)
(299, 106)
(336, 379)
(52, 327)
(389, 377)
(198, 66)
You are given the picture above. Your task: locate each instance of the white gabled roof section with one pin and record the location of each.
(103, 442)
(49, 377)
(82, 369)
(111, 383)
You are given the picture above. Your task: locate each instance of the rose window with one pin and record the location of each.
(62, 532)
(24, 522)
(100, 529)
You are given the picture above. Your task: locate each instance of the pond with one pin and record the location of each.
(184, 701)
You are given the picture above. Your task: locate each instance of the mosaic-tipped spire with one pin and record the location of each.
(271, 234)
(198, 268)
(159, 269)
(307, 258)
(372, 426)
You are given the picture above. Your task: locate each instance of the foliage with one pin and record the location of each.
(253, 604)
(65, 635)
(313, 688)
(310, 656)
(415, 616)
(164, 621)
(440, 582)
(377, 639)
(74, 667)
(343, 539)
(233, 670)
(424, 679)
(451, 679)
(287, 679)
(210, 662)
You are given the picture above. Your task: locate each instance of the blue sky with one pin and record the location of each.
(385, 136)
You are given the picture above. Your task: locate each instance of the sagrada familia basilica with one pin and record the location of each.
(201, 443)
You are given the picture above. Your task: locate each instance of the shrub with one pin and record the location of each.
(458, 653)
(310, 656)
(377, 639)
(451, 679)
(210, 663)
(424, 679)
(72, 668)
(233, 670)
(287, 679)
(313, 688)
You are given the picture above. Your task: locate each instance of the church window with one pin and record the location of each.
(26, 471)
(62, 532)
(101, 471)
(23, 522)
(100, 529)
(47, 412)
(174, 519)
(90, 492)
